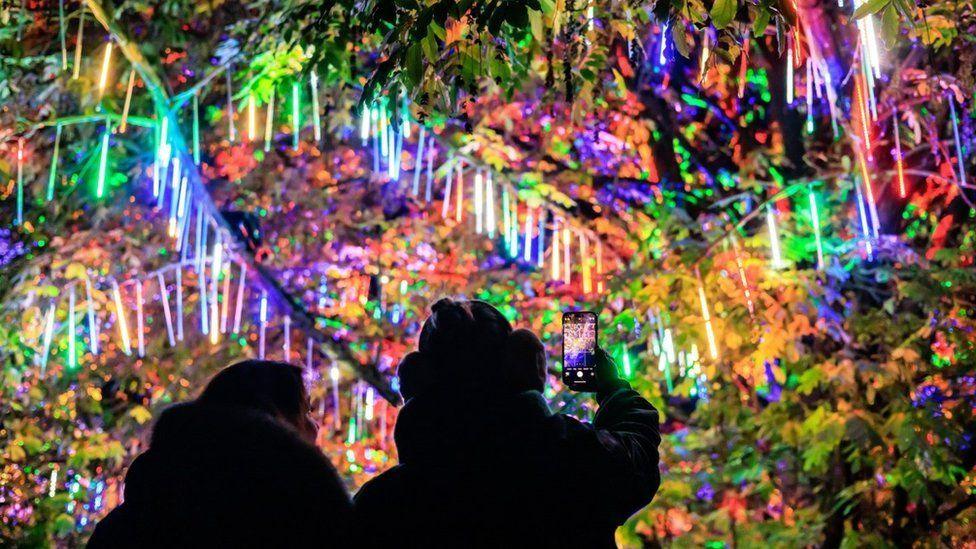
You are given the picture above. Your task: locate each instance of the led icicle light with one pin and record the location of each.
(106, 62)
(120, 318)
(709, 331)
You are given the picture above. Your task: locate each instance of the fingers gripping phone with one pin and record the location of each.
(579, 350)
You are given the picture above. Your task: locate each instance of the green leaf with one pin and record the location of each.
(415, 64)
(723, 11)
(761, 22)
(680, 40)
(870, 7)
(890, 25)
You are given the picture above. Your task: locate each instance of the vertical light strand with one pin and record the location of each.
(790, 79)
(167, 316)
(336, 415)
(225, 299)
(140, 324)
(316, 117)
(707, 317)
(599, 267)
(120, 318)
(106, 63)
(567, 256)
(742, 277)
(269, 122)
(262, 323)
(459, 201)
(899, 161)
(529, 226)
(541, 246)
(865, 225)
(124, 123)
(103, 162)
(216, 266)
(53, 172)
(179, 302)
(478, 202)
(513, 238)
(76, 69)
(90, 310)
(61, 36)
(309, 356)
(777, 258)
(446, 206)
(296, 129)
(239, 303)
(490, 221)
(48, 336)
(815, 217)
(429, 189)
(506, 220)
(554, 272)
(365, 123)
(72, 330)
(585, 263)
(20, 182)
(955, 135)
(252, 127)
(286, 343)
(418, 160)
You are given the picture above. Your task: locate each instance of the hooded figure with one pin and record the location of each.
(235, 468)
(485, 463)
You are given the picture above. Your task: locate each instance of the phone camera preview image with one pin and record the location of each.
(579, 350)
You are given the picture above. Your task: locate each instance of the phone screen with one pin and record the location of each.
(579, 350)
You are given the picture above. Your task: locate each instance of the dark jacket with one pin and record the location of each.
(509, 473)
(226, 477)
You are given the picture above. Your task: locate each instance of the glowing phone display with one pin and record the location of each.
(579, 350)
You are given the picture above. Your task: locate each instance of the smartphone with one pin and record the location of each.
(579, 350)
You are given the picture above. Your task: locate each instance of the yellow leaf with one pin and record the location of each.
(140, 414)
(74, 270)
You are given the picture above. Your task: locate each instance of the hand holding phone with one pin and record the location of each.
(579, 350)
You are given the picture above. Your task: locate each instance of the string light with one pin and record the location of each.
(955, 135)
(216, 264)
(76, 69)
(445, 208)
(418, 160)
(295, 120)
(364, 124)
(269, 122)
(336, 416)
(231, 128)
(20, 183)
(286, 343)
(459, 202)
(140, 327)
(490, 206)
(790, 79)
(164, 298)
(566, 255)
(179, 303)
(316, 117)
(899, 161)
(554, 273)
(585, 261)
(529, 224)
(72, 330)
(102, 163)
(106, 61)
(48, 336)
(128, 100)
(90, 311)
(225, 299)
(239, 304)
(263, 322)
(196, 129)
(478, 202)
(120, 318)
(52, 173)
(710, 333)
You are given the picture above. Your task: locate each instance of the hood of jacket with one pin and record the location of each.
(471, 428)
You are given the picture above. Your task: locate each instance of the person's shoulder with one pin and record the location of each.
(388, 484)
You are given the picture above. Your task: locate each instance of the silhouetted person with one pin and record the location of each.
(483, 461)
(236, 467)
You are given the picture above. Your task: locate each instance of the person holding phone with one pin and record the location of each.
(483, 462)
